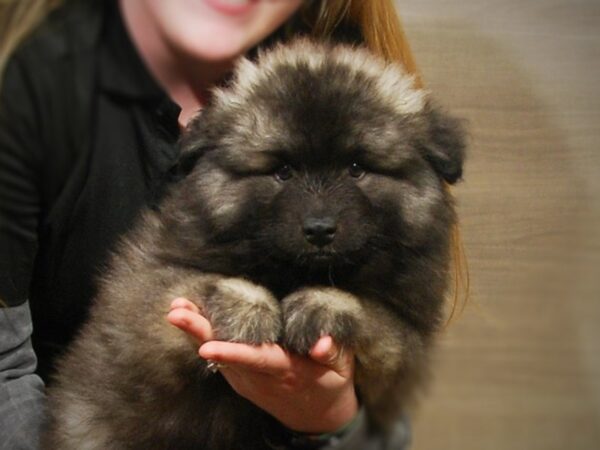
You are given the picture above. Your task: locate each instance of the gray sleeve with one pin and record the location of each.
(359, 437)
(22, 396)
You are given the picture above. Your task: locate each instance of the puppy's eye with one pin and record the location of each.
(284, 173)
(356, 170)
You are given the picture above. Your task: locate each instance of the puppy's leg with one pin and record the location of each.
(391, 364)
(311, 313)
(389, 354)
(132, 380)
(238, 310)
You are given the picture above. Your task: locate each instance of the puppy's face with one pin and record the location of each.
(323, 157)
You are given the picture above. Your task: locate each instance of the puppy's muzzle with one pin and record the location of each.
(319, 231)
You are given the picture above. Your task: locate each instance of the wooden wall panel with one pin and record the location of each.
(520, 369)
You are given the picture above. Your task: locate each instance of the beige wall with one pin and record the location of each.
(520, 370)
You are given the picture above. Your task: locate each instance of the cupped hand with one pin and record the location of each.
(313, 394)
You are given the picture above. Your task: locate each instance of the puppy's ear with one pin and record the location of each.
(444, 143)
(185, 163)
(192, 144)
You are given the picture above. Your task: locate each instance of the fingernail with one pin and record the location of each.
(329, 342)
(178, 303)
(206, 351)
(176, 318)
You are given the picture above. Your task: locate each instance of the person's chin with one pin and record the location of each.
(207, 48)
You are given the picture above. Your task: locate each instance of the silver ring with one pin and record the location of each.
(214, 366)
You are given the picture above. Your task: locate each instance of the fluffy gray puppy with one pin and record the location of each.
(314, 202)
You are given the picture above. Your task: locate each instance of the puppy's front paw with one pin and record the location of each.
(311, 313)
(240, 311)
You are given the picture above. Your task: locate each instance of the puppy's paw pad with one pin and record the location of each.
(312, 313)
(240, 311)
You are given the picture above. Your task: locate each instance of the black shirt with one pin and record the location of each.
(87, 139)
(66, 194)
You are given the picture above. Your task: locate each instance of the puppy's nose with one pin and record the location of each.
(319, 231)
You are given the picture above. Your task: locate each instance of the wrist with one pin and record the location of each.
(328, 419)
(339, 416)
(306, 441)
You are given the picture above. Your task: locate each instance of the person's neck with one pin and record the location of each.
(186, 80)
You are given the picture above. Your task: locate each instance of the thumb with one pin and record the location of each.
(334, 356)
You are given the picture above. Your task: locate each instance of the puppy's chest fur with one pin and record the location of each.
(311, 268)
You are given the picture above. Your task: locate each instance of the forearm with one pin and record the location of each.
(21, 390)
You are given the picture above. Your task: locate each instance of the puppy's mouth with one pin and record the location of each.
(315, 259)
(319, 258)
(327, 259)
(324, 266)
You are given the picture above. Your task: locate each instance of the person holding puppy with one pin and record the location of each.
(91, 107)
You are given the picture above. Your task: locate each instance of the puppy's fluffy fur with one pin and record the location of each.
(313, 203)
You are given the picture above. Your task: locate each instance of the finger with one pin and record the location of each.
(238, 377)
(184, 303)
(266, 358)
(192, 323)
(332, 355)
(249, 384)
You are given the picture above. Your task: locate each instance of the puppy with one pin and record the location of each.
(314, 202)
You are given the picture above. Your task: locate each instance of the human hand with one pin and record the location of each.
(312, 394)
